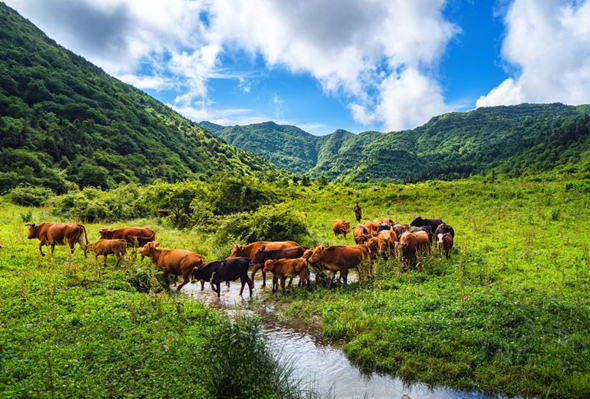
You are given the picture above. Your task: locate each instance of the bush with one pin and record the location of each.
(268, 223)
(29, 195)
(146, 279)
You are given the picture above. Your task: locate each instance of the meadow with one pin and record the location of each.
(507, 314)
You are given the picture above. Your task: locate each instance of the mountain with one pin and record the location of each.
(509, 139)
(64, 122)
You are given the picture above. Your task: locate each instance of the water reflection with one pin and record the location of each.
(315, 362)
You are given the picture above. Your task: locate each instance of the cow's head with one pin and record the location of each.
(346, 226)
(259, 255)
(317, 254)
(105, 234)
(417, 222)
(237, 251)
(32, 230)
(149, 249)
(269, 265)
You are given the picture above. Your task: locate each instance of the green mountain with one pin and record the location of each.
(63, 121)
(508, 139)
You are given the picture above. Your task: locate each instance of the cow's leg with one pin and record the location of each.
(52, 248)
(82, 245)
(119, 257)
(41, 243)
(243, 281)
(105, 260)
(186, 277)
(332, 274)
(275, 284)
(255, 268)
(218, 289)
(202, 285)
(283, 280)
(344, 275)
(250, 284)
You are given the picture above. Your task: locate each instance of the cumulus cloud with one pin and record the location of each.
(548, 45)
(378, 56)
(353, 48)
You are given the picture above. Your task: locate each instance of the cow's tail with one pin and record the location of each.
(85, 235)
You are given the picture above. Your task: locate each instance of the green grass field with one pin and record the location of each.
(509, 313)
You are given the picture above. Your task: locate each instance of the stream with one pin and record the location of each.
(317, 363)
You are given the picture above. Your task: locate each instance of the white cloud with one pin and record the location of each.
(147, 82)
(548, 43)
(371, 54)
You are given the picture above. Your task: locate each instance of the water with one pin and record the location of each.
(317, 363)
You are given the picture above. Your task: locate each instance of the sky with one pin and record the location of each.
(322, 65)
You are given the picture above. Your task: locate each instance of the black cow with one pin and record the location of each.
(229, 269)
(419, 222)
(444, 228)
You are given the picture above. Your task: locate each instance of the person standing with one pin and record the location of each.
(358, 213)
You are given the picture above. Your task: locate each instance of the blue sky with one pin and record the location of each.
(327, 64)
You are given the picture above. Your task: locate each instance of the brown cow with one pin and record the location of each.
(282, 268)
(445, 243)
(178, 262)
(410, 243)
(135, 236)
(249, 250)
(371, 227)
(386, 241)
(361, 234)
(341, 258)
(388, 221)
(340, 227)
(52, 234)
(106, 247)
(372, 245)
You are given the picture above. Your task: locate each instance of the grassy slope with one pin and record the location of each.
(63, 117)
(70, 328)
(452, 145)
(508, 313)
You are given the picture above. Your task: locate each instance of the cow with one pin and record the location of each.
(386, 240)
(106, 247)
(445, 243)
(383, 226)
(249, 250)
(400, 229)
(410, 243)
(341, 258)
(178, 262)
(372, 245)
(135, 236)
(425, 229)
(361, 234)
(340, 227)
(444, 228)
(388, 221)
(282, 268)
(419, 222)
(52, 234)
(371, 227)
(262, 254)
(229, 269)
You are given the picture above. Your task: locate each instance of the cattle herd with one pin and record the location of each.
(283, 259)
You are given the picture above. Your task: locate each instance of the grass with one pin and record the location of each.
(70, 328)
(507, 314)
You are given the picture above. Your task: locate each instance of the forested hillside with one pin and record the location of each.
(63, 121)
(508, 139)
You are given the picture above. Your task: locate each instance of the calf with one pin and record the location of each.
(340, 227)
(361, 234)
(106, 247)
(229, 269)
(426, 229)
(282, 268)
(445, 243)
(371, 228)
(52, 234)
(386, 240)
(249, 250)
(410, 243)
(444, 228)
(177, 262)
(341, 258)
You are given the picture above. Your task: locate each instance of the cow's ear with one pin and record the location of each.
(262, 248)
(157, 244)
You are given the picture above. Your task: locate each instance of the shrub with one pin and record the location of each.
(29, 195)
(272, 223)
(146, 279)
